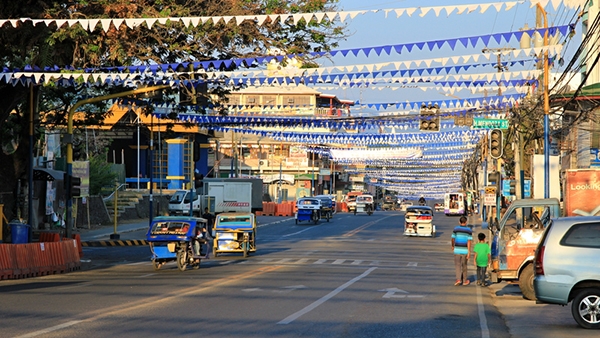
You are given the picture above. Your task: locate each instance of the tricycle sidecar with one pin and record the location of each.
(178, 238)
(309, 209)
(234, 232)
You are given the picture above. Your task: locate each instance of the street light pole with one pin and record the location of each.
(69, 141)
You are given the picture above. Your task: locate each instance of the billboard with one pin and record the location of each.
(582, 188)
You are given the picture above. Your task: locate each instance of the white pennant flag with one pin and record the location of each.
(411, 11)
(437, 10)
(319, 17)
(260, 19)
(460, 9)
(484, 7)
(117, 23)
(399, 12)
(105, 23)
(424, 11)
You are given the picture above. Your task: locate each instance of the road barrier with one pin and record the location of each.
(39, 259)
(284, 209)
(269, 208)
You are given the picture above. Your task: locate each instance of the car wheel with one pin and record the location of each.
(526, 282)
(586, 308)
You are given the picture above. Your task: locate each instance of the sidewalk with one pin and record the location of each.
(129, 234)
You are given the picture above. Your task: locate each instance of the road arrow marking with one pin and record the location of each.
(391, 293)
(252, 290)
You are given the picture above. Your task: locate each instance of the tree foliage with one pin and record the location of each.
(171, 42)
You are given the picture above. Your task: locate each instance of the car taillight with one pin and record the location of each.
(539, 260)
(423, 217)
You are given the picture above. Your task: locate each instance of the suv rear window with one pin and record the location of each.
(586, 235)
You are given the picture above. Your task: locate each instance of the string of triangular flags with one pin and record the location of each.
(289, 18)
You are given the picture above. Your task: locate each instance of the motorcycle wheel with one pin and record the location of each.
(156, 264)
(246, 245)
(181, 260)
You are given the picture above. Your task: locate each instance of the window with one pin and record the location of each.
(586, 235)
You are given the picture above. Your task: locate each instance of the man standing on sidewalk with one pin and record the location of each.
(462, 237)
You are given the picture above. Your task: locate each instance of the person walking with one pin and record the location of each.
(462, 236)
(483, 256)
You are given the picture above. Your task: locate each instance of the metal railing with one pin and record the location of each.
(111, 196)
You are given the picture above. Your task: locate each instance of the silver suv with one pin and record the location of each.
(567, 267)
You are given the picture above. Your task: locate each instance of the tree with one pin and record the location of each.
(41, 46)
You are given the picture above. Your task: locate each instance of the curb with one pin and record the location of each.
(114, 243)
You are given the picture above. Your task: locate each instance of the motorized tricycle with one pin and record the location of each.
(234, 232)
(309, 209)
(364, 203)
(327, 206)
(178, 238)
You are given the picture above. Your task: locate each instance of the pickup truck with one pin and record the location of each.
(515, 238)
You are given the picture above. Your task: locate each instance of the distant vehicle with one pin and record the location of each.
(405, 205)
(418, 221)
(364, 203)
(454, 203)
(567, 269)
(350, 200)
(438, 207)
(389, 202)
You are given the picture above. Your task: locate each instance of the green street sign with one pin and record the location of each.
(483, 123)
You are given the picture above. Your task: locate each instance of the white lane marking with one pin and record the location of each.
(302, 260)
(51, 329)
(412, 264)
(298, 232)
(339, 261)
(320, 261)
(374, 263)
(325, 298)
(485, 332)
(356, 262)
(147, 275)
(276, 222)
(285, 260)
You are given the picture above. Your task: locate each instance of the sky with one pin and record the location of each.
(375, 29)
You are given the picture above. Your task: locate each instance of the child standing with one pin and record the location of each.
(482, 257)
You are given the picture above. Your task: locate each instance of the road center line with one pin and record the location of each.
(51, 329)
(485, 331)
(295, 233)
(325, 298)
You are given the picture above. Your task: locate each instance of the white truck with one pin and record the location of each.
(179, 203)
(234, 191)
(229, 196)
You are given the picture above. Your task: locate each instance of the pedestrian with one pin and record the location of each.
(462, 236)
(483, 257)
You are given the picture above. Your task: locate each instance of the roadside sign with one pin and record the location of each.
(483, 123)
(489, 199)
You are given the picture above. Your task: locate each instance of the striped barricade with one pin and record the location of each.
(7, 263)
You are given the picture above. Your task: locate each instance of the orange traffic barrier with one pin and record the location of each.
(57, 257)
(49, 237)
(7, 263)
(77, 239)
(44, 259)
(269, 208)
(284, 209)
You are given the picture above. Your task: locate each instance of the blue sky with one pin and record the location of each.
(374, 29)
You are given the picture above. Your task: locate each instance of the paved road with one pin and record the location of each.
(353, 277)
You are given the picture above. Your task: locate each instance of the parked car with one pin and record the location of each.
(567, 269)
